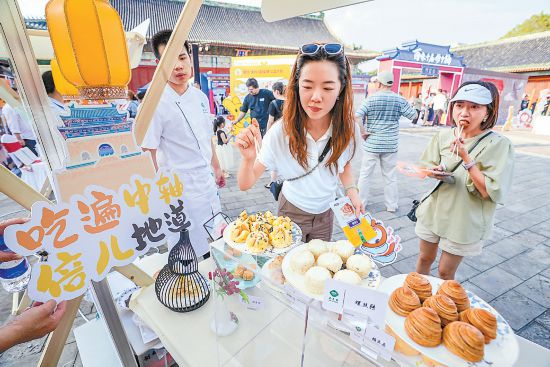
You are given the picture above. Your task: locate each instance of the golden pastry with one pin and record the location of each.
(423, 326)
(186, 286)
(248, 275)
(400, 345)
(280, 237)
(453, 290)
(403, 301)
(464, 340)
(257, 242)
(483, 320)
(243, 216)
(444, 306)
(269, 217)
(284, 222)
(420, 285)
(238, 273)
(240, 232)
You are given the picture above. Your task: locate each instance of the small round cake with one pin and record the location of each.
(302, 261)
(343, 248)
(315, 279)
(330, 261)
(317, 247)
(361, 264)
(347, 276)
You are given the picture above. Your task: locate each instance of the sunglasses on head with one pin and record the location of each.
(329, 48)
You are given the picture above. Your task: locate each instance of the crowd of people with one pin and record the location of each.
(431, 108)
(307, 134)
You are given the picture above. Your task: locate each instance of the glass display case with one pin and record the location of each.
(279, 325)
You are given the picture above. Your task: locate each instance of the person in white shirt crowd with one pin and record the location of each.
(439, 106)
(58, 108)
(56, 99)
(317, 119)
(179, 139)
(19, 128)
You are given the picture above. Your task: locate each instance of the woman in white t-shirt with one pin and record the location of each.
(317, 117)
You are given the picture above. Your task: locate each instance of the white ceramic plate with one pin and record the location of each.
(270, 251)
(501, 352)
(298, 280)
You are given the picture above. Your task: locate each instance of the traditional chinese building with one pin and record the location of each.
(421, 61)
(222, 31)
(527, 55)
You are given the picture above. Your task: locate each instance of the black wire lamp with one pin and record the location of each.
(180, 286)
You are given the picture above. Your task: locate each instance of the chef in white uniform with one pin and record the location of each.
(180, 140)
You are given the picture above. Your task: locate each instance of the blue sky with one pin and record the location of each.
(384, 24)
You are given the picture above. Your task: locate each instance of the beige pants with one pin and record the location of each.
(459, 249)
(313, 226)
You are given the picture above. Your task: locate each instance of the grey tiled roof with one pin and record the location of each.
(225, 24)
(524, 53)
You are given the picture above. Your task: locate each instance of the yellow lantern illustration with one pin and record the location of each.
(90, 46)
(66, 89)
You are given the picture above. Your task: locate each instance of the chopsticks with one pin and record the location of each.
(458, 136)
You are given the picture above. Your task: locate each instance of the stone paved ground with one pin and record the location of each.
(512, 274)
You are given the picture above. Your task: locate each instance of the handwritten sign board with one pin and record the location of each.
(92, 233)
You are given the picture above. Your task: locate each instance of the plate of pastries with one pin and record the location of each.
(444, 324)
(262, 234)
(309, 266)
(243, 266)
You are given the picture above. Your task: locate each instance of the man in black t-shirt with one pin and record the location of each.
(257, 101)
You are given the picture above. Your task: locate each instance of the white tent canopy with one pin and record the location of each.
(273, 10)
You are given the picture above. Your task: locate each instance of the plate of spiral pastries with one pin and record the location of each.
(438, 323)
(262, 234)
(308, 267)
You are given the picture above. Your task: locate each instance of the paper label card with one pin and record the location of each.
(333, 296)
(254, 303)
(380, 341)
(367, 302)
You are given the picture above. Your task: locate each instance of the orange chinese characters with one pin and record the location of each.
(70, 275)
(50, 223)
(105, 213)
(140, 198)
(168, 189)
(106, 254)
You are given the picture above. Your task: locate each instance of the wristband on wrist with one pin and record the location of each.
(467, 166)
